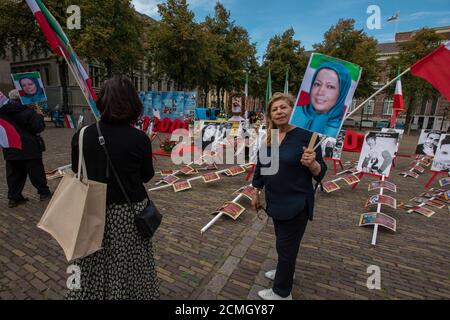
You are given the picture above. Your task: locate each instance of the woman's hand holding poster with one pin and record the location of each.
(326, 92)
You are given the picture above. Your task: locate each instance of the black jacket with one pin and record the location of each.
(289, 190)
(131, 153)
(28, 124)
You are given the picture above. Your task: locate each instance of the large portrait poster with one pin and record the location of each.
(399, 131)
(377, 153)
(167, 106)
(214, 133)
(190, 103)
(332, 148)
(428, 142)
(157, 103)
(30, 88)
(441, 162)
(178, 105)
(327, 90)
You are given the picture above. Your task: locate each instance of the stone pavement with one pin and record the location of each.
(229, 261)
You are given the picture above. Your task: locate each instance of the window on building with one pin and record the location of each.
(96, 75)
(434, 104)
(423, 107)
(352, 106)
(369, 106)
(388, 107)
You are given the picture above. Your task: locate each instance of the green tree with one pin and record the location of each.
(236, 54)
(284, 53)
(415, 89)
(344, 42)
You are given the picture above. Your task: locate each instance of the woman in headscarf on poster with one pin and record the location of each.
(33, 91)
(326, 110)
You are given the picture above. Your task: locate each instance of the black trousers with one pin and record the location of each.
(289, 234)
(16, 176)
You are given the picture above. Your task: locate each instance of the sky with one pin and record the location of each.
(311, 19)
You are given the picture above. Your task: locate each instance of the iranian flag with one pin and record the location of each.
(69, 121)
(60, 45)
(435, 69)
(9, 137)
(315, 61)
(398, 102)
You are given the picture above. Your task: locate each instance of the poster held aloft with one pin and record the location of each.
(325, 94)
(30, 87)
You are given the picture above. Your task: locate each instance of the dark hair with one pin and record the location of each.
(118, 101)
(446, 140)
(371, 136)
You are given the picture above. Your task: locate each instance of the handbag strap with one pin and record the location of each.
(82, 170)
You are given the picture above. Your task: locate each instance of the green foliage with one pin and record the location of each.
(282, 53)
(344, 42)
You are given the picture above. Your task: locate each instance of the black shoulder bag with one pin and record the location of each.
(149, 219)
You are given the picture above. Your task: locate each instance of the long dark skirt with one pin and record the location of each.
(124, 269)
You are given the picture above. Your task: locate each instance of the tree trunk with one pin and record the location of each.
(63, 78)
(218, 98)
(206, 90)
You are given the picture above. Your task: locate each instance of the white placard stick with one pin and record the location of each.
(367, 100)
(375, 228)
(218, 216)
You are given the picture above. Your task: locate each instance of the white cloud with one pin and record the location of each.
(423, 15)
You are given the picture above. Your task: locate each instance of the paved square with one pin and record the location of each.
(229, 261)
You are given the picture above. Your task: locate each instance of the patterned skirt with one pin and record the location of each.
(124, 269)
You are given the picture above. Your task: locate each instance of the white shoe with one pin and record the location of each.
(268, 294)
(271, 274)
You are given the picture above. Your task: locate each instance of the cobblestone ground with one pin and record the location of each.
(229, 261)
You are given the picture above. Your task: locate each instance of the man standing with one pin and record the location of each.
(28, 160)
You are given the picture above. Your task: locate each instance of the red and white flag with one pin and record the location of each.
(398, 102)
(435, 69)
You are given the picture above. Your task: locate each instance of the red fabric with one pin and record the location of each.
(165, 125)
(146, 120)
(353, 141)
(303, 100)
(395, 114)
(12, 138)
(435, 69)
(49, 34)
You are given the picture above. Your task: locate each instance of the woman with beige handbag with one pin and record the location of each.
(124, 269)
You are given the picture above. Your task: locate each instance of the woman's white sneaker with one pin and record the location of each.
(271, 274)
(268, 294)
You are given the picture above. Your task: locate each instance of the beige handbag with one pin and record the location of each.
(75, 216)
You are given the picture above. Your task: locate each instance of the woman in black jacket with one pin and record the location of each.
(289, 191)
(28, 160)
(124, 269)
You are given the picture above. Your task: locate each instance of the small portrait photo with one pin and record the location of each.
(326, 92)
(417, 169)
(181, 186)
(167, 172)
(187, 170)
(330, 186)
(382, 199)
(441, 162)
(381, 219)
(247, 191)
(236, 170)
(428, 142)
(214, 133)
(231, 209)
(382, 184)
(424, 211)
(332, 147)
(377, 153)
(210, 177)
(30, 87)
(170, 179)
(236, 105)
(351, 179)
(409, 173)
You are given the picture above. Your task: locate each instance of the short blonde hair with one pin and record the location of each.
(269, 123)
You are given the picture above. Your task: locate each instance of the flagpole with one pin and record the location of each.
(368, 99)
(78, 81)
